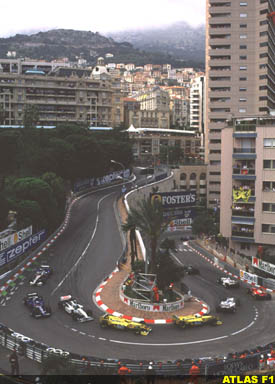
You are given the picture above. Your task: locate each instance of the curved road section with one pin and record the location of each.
(85, 254)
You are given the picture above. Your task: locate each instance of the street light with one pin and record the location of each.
(117, 162)
(122, 165)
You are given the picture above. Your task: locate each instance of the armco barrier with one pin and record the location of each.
(39, 352)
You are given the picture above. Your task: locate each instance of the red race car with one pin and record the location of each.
(259, 293)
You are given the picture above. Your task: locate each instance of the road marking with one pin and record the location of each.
(102, 338)
(85, 250)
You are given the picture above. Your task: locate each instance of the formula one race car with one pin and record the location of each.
(190, 270)
(229, 304)
(139, 328)
(258, 293)
(196, 320)
(37, 305)
(77, 311)
(41, 275)
(227, 282)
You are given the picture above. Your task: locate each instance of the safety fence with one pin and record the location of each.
(236, 363)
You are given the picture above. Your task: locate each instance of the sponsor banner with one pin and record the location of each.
(21, 247)
(152, 307)
(97, 181)
(175, 199)
(14, 238)
(185, 219)
(263, 265)
(233, 367)
(249, 277)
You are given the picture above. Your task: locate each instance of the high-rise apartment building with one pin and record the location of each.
(197, 104)
(240, 72)
(248, 185)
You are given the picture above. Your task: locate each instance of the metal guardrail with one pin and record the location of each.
(40, 352)
(93, 365)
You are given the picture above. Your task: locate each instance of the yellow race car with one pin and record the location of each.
(139, 328)
(196, 320)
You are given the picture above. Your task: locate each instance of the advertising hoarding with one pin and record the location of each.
(14, 238)
(175, 199)
(21, 247)
(263, 265)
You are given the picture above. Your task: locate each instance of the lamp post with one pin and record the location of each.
(117, 162)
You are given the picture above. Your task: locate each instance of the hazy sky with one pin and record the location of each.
(19, 16)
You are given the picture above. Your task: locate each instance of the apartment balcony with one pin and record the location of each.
(193, 183)
(183, 182)
(202, 183)
(243, 212)
(244, 174)
(244, 153)
(240, 232)
(203, 191)
(242, 220)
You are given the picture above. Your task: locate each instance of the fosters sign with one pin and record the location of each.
(10, 240)
(263, 265)
(175, 199)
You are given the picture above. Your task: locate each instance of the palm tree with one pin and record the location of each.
(148, 218)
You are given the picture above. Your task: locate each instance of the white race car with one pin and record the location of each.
(41, 275)
(227, 282)
(77, 311)
(229, 304)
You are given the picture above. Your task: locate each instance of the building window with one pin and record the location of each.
(243, 78)
(242, 89)
(242, 110)
(243, 4)
(269, 164)
(243, 25)
(269, 207)
(243, 36)
(243, 15)
(242, 99)
(268, 186)
(243, 46)
(243, 57)
(269, 143)
(243, 68)
(268, 228)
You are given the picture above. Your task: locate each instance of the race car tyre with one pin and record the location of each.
(183, 325)
(248, 290)
(226, 286)
(268, 296)
(48, 309)
(238, 302)
(74, 316)
(35, 313)
(89, 312)
(103, 324)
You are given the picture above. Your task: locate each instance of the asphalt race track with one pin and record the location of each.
(85, 254)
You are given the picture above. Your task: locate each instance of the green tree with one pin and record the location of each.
(2, 114)
(8, 152)
(31, 116)
(29, 212)
(4, 210)
(148, 218)
(35, 189)
(167, 271)
(204, 223)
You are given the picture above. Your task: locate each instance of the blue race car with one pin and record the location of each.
(37, 306)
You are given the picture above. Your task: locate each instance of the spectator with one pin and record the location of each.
(123, 371)
(14, 362)
(150, 373)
